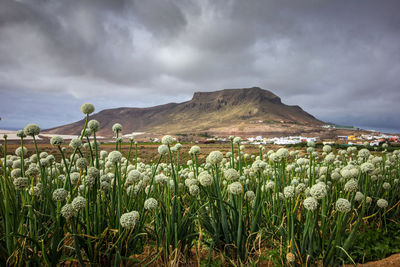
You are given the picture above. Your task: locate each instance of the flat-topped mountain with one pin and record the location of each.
(229, 111)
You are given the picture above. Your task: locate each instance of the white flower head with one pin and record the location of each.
(87, 108)
(215, 157)
(205, 178)
(167, 140)
(78, 203)
(114, 156)
(128, 220)
(288, 191)
(231, 174)
(163, 149)
(343, 205)
(32, 129)
(235, 188)
(310, 203)
(382, 203)
(318, 191)
(150, 204)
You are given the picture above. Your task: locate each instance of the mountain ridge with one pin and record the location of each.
(218, 112)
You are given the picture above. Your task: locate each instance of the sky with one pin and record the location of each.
(339, 60)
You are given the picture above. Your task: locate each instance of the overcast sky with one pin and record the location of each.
(339, 60)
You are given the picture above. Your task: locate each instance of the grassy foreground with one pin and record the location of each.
(80, 204)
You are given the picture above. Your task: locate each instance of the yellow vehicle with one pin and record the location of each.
(352, 138)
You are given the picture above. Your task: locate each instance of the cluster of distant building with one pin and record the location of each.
(373, 140)
(259, 140)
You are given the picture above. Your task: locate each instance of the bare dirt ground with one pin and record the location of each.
(390, 261)
(147, 152)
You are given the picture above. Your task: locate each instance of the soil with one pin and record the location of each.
(391, 261)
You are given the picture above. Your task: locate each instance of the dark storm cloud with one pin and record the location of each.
(339, 60)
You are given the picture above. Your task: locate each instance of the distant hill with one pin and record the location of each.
(230, 111)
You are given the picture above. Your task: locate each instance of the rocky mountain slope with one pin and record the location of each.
(230, 111)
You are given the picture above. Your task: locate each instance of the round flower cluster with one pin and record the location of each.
(235, 188)
(249, 195)
(205, 179)
(114, 156)
(215, 157)
(364, 153)
(327, 148)
(386, 186)
(68, 211)
(60, 194)
(288, 191)
(150, 204)
(87, 108)
(351, 186)
(237, 140)
(194, 150)
(167, 140)
(93, 125)
(56, 141)
(282, 153)
(382, 203)
(20, 183)
(377, 160)
(82, 163)
(178, 146)
(21, 150)
(323, 170)
(300, 188)
(128, 220)
(194, 190)
(330, 158)
(163, 149)
(318, 191)
(117, 127)
(367, 167)
(335, 176)
(32, 129)
(190, 181)
(103, 154)
(16, 173)
(75, 143)
(74, 178)
(273, 157)
(290, 257)
(349, 171)
(105, 186)
(343, 205)
(310, 203)
(20, 134)
(310, 150)
(311, 144)
(359, 197)
(258, 165)
(134, 175)
(86, 132)
(36, 190)
(78, 203)
(231, 174)
(32, 171)
(301, 161)
(270, 185)
(93, 172)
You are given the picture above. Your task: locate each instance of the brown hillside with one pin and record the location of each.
(246, 111)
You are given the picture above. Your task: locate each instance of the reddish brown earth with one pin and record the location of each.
(393, 260)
